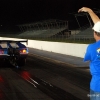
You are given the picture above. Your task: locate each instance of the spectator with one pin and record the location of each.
(93, 55)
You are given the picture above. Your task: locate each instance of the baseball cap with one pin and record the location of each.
(96, 27)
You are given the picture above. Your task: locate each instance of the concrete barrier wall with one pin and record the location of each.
(73, 49)
(58, 47)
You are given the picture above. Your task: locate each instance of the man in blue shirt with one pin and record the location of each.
(93, 55)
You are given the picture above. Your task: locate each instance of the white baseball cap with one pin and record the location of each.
(96, 27)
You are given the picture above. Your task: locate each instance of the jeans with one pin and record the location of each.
(94, 95)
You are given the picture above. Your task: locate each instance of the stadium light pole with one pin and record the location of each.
(78, 22)
(89, 20)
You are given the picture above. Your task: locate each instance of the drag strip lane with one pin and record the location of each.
(71, 73)
(44, 80)
(13, 87)
(71, 79)
(53, 91)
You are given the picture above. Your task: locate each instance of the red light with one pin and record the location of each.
(1, 52)
(23, 51)
(25, 75)
(1, 79)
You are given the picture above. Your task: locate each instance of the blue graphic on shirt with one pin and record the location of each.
(98, 55)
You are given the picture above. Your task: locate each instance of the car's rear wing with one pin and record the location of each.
(17, 42)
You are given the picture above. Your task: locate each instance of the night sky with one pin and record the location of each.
(13, 12)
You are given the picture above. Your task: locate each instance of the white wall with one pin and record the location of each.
(58, 47)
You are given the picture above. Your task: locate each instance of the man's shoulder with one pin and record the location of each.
(92, 44)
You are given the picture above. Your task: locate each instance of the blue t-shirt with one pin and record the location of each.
(93, 55)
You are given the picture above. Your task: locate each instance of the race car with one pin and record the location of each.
(14, 52)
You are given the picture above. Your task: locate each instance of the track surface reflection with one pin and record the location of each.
(53, 91)
(42, 80)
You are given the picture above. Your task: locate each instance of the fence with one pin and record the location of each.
(57, 38)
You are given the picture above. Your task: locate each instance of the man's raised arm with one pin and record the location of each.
(93, 16)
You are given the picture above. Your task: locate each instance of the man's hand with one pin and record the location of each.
(93, 16)
(85, 9)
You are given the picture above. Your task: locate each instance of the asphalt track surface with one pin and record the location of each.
(43, 79)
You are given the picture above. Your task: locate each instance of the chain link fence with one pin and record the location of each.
(56, 37)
